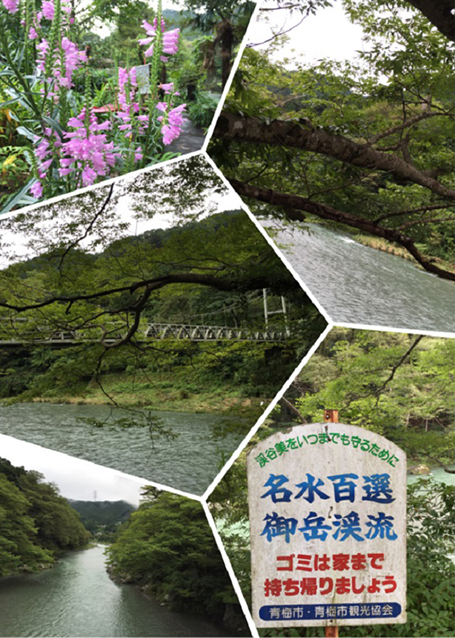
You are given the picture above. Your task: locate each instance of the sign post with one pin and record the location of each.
(328, 527)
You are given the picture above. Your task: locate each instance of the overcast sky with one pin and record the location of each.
(76, 479)
(328, 34)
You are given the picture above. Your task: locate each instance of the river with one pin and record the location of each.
(361, 285)
(170, 462)
(77, 598)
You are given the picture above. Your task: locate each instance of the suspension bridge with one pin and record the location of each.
(22, 331)
(151, 332)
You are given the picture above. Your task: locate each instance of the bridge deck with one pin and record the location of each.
(153, 331)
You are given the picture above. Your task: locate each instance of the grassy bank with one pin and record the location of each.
(394, 249)
(165, 394)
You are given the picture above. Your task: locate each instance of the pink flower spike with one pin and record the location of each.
(67, 161)
(45, 165)
(37, 190)
(88, 176)
(12, 6)
(48, 9)
(32, 34)
(145, 41)
(148, 27)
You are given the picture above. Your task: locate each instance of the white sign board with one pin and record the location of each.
(327, 507)
(143, 78)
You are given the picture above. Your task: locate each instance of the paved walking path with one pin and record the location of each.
(191, 139)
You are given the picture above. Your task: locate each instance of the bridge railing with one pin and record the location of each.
(157, 331)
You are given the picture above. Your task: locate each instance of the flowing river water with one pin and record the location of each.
(189, 462)
(360, 285)
(77, 598)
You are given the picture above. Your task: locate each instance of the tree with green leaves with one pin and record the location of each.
(168, 548)
(229, 19)
(366, 143)
(398, 385)
(89, 276)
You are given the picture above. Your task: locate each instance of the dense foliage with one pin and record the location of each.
(70, 141)
(168, 548)
(36, 524)
(77, 107)
(398, 385)
(365, 142)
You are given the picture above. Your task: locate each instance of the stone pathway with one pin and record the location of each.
(191, 139)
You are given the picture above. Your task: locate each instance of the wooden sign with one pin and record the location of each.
(327, 507)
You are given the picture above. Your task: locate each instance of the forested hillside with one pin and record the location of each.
(36, 524)
(102, 518)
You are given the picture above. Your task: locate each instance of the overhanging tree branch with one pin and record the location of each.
(224, 284)
(304, 136)
(294, 204)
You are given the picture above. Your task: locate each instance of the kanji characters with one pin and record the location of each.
(279, 526)
(381, 526)
(348, 525)
(277, 493)
(314, 527)
(377, 488)
(310, 487)
(344, 487)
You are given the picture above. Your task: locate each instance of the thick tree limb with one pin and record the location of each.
(294, 204)
(439, 13)
(224, 284)
(293, 409)
(306, 137)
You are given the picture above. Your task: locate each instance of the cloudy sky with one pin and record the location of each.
(328, 34)
(76, 479)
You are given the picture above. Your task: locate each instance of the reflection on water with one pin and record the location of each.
(190, 462)
(77, 598)
(358, 284)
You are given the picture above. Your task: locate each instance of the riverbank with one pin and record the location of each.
(378, 243)
(163, 395)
